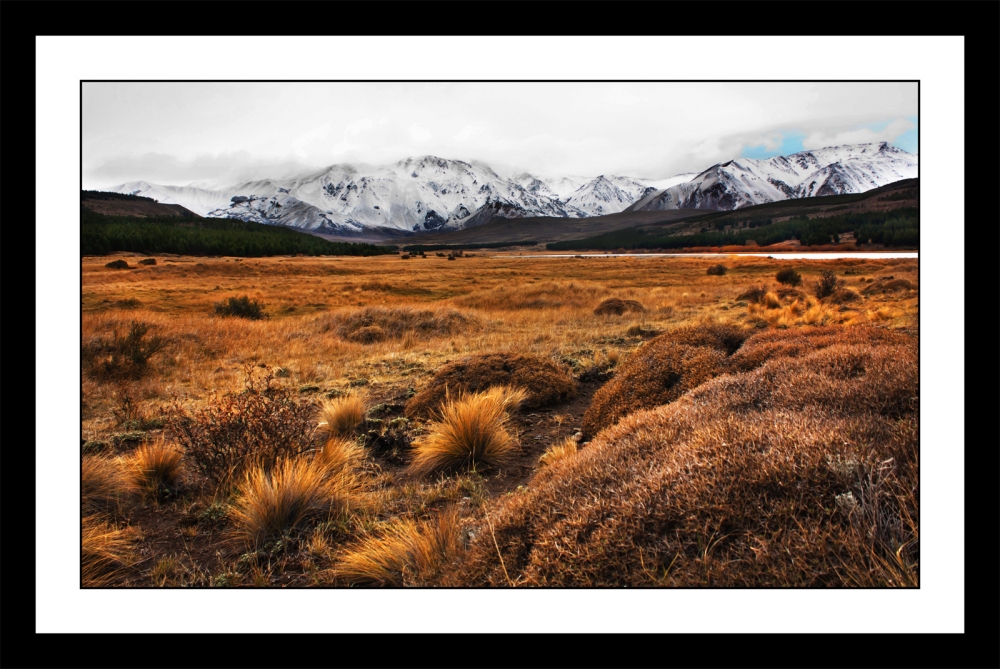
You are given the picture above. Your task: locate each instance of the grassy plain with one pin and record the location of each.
(378, 329)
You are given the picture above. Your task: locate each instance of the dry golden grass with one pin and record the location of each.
(273, 502)
(468, 432)
(771, 301)
(155, 465)
(508, 306)
(408, 552)
(342, 416)
(564, 449)
(104, 484)
(105, 550)
(340, 456)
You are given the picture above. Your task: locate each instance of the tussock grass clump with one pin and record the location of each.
(789, 277)
(340, 456)
(342, 416)
(273, 501)
(104, 484)
(407, 553)
(661, 371)
(802, 473)
(469, 432)
(373, 324)
(544, 381)
(261, 423)
(771, 301)
(717, 270)
(754, 294)
(155, 466)
(617, 306)
(123, 356)
(597, 367)
(564, 449)
(241, 307)
(104, 550)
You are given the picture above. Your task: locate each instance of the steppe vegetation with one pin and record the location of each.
(499, 421)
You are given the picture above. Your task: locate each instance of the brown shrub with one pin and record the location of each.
(117, 264)
(790, 294)
(616, 306)
(377, 323)
(258, 425)
(844, 296)
(125, 355)
(544, 381)
(148, 261)
(802, 473)
(888, 286)
(753, 294)
(827, 284)
(661, 371)
(367, 334)
(717, 270)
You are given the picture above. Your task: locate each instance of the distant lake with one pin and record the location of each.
(775, 256)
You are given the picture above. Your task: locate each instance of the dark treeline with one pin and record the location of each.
(101, 195)
(101, 235)
(417, 248)
(899, 227)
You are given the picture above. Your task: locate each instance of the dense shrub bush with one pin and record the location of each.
(256, 425)
(241, 307)
(789, 277)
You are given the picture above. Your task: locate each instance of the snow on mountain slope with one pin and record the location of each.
(198, 200)
(429, 193)
(746, 182)
(608, 195)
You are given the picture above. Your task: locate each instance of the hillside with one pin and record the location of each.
(549, 229)
(888, 215)
(117, 204)
(102, 234)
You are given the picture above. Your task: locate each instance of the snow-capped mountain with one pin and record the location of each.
(745, 182)
(430, 193)
(413, 195)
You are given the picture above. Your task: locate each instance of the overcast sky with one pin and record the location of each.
(178, 133)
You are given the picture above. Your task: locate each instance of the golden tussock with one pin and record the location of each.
(408, 552)
(564, 449)
(341, 416)
(468, 432)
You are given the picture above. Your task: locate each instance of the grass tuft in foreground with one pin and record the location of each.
(469, 432)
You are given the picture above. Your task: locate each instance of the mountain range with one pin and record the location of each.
(431, 194)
